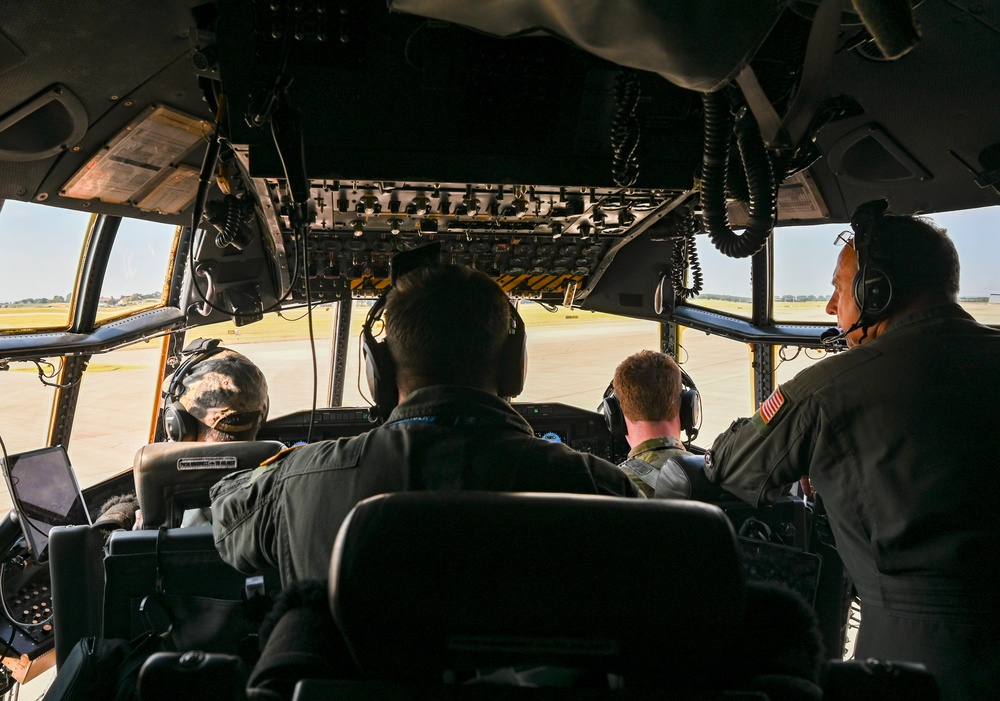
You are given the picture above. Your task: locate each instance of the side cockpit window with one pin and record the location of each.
(42, 249)
(138, 270)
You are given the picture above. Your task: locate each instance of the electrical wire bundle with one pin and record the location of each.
(625, 129)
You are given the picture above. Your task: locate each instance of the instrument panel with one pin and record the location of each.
(580, 429)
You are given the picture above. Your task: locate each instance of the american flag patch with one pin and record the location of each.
(771, 406)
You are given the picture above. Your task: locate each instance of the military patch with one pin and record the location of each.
(770, 408)
(767, 412)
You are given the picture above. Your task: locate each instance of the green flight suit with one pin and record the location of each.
(652, 454)
(287, 512)
(899, 436)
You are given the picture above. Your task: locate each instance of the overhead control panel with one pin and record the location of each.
(537, 242)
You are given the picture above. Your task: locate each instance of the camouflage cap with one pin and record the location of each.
(227, 392)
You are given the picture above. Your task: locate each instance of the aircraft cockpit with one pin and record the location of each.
(667, 176)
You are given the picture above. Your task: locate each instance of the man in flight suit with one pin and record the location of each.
(898, 436)
(448, 331)
(648, 388)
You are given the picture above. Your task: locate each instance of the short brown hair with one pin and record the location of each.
(446, 324)
(648, 386)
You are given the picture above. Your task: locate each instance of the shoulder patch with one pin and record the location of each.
(769, 412)
(772, 405)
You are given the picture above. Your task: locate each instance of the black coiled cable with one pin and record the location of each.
(625, 129)
(685, 257)
(759, 176)
(234, 218)
(736, 177)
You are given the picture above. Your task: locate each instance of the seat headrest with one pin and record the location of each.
(701, 489)
(172, 477)
(460, 580)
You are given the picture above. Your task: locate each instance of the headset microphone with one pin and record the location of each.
(834, 339)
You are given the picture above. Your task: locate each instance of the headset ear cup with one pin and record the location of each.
(178, 425)
(513, 366)
(380, 371)
(872, 290)
(513, 359)
(690, 410)
(613, 416)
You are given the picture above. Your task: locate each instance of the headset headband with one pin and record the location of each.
(197, 351)
(863, 220)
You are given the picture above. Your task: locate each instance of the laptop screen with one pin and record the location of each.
(46, 494)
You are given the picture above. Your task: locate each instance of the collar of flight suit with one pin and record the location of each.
(461, 405)
(656, 444)
(933, 311)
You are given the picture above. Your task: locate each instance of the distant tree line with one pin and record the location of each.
(35, 301)
(725, 298)
(108, 301)
(801, 298)
(806, 298)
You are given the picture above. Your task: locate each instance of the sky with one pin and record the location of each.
(805, 257)
(41, 248)
(41, 252)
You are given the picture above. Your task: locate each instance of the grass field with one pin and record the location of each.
(55, 316)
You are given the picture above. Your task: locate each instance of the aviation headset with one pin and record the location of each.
(381, 370)
(178, 424)
(690, 411)
(872, 285)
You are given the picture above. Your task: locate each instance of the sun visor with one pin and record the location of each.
(696, 44)
(141, 166)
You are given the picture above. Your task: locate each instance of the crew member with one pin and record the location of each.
(647, 389)
(214, 395)
(453, 344)
(896, 439)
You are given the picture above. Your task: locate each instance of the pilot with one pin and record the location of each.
(647, 387)
(215, 395)
(898, 437)
(448, 335)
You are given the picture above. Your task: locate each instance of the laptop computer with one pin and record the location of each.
(45, 493)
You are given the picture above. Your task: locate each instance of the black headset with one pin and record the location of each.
(178, 424)
(381, 370)
(690, 411)
(872, 285)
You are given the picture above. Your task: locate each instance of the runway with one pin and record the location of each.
(119, 390)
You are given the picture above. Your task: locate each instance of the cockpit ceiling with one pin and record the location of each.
(393, 98)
